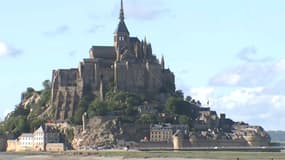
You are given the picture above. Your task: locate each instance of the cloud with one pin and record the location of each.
(94, 28)
(280, 65)
(247, 74)
(58, 31)
(72, 53)
(203, 94)
(249, 54)
(144, 10)
(8, 50)
(253, 105)
(252, 72)
(252, 91)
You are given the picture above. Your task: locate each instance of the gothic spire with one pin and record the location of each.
(122, 12)
(122, 28)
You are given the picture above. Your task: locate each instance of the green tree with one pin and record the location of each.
(183, 119)
(46, 84)
(97, 107)
(170, 105)
(82, 107)
(148, 118)
(177, 106)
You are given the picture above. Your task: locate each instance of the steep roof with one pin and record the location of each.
(122, 28)
(134, 39)
(104, 52)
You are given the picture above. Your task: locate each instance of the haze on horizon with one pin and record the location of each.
(230, 53)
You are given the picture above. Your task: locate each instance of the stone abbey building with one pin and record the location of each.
(129, 66)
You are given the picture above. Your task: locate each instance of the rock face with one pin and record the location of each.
(99, 131)
(129, 66)
(104, 131)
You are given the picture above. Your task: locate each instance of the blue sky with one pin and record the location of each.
(228, 52)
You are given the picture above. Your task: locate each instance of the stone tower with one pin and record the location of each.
(121, 35)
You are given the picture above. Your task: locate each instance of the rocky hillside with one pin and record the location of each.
(107, 131)
(30, 113)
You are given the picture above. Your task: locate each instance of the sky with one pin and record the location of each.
(230, 53)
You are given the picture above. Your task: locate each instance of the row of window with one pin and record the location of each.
(121, 38)
(161, 133)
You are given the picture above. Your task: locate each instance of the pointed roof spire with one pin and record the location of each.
(122, 28)
(122, 17)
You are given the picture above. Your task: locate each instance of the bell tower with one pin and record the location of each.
(121, 35)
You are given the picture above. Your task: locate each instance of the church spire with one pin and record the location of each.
(122, 17)
(121, 35)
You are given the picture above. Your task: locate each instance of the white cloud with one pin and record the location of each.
(280, 65)
(203, 94)
(253, 71)
(253, 105)
(3, 49)
(247, 74)
(228, 79)
(8, 50)
(249, 54)
(57, 31)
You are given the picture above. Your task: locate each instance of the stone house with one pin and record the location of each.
(36, 141)
(164, 132)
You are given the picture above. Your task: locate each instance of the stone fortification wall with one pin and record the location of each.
(155, 145)
(55, 147)
(218, 143)
(66, 92)
(142, 78)
(130, 77)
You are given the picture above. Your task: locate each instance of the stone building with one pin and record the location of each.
(207, 119)
(129, 65)
(36, 141)
(164, 132)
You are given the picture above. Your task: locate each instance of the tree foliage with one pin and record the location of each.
(148, 118)
(176, 106)
(26, 119)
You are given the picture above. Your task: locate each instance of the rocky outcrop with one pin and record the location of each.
(103, 131)
(99, 131)
(30, 99)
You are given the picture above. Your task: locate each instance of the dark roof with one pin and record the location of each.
(105, 52)
(122, 28)
(134, 39)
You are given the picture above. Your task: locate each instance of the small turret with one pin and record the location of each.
(162, 64)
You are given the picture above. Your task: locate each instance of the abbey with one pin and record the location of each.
(128, 66)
